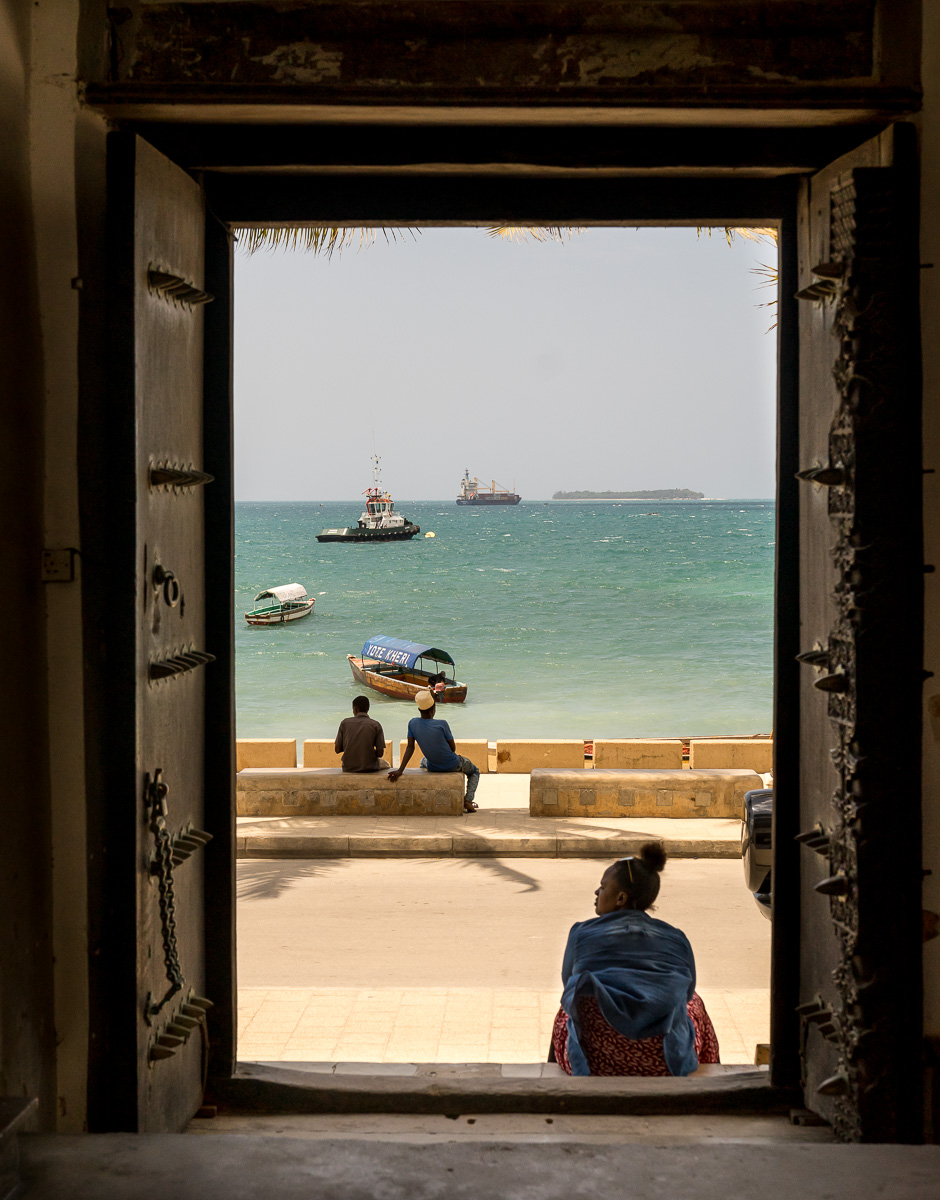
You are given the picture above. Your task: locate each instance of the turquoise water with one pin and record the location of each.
(565, 619)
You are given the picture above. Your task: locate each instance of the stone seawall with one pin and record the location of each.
(523, 755)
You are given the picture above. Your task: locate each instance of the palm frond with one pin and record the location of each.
(756, 234)
(324, 240)
(749, 233)
(767, 273)
(534, 233)
(769, 277)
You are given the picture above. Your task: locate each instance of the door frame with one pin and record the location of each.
(389, 197)
(219, 461)
(367, 199)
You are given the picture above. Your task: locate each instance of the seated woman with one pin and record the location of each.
(437, 683)
(629, 1006)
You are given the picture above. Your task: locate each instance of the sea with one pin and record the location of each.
(566, 619)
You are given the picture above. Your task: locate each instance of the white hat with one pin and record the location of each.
(424, 700)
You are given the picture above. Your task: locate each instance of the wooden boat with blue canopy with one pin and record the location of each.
(400, 670)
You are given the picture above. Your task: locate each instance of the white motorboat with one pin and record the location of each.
(274, 606)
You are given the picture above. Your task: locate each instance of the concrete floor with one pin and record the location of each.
(519, 1127)
(249, 1167)
(463, 922)
(435, 960)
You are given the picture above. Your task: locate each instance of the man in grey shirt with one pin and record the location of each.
(361, 740)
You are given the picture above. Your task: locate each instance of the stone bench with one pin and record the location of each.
(326, 791)
(599, 793)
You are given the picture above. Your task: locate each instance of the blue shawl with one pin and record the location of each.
(642, 973)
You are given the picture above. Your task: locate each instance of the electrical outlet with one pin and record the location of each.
(58, 566)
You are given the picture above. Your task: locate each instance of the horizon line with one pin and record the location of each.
(534, 500)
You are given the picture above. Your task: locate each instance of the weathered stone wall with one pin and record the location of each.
(651, 754)
(269, 752)
(51, 179)
(752, 754)
(519, 756)
(27, 1018)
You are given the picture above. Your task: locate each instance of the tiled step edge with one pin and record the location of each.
(255, 1088)
(291, 845)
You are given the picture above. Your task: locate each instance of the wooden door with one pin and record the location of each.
(860, 619)
(146, 551)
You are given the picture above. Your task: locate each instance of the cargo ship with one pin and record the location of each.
(473, 492)
(379, 522)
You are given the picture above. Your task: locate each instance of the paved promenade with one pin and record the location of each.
(389, 960)
(502, 827)
(330, 1029)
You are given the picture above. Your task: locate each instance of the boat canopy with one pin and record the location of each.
(287, 591)
(402, 654)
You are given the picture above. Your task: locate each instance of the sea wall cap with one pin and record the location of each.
(424, 700)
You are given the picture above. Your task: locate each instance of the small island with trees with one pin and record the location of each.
(660, 494)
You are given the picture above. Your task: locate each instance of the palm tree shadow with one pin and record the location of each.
(503, 870)
(269, 879)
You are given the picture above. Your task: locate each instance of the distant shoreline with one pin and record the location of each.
(640, 500)
(651, 494)
(536, 500)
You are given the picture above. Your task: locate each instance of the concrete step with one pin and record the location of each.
(466, 1071)
(248, 1166)
(518, 1128)
(499, 832)
(454, 1088)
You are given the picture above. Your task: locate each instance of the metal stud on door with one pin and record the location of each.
(149, 1074)
(860, 600)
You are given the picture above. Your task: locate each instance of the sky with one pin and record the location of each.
(621, 359)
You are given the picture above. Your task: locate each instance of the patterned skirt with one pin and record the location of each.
(610, 1053)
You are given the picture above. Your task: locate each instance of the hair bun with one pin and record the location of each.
(653, 855)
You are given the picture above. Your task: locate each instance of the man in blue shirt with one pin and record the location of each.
(437, 745)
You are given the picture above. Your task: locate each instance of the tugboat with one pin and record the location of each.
(379, 522)
(471, 492)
